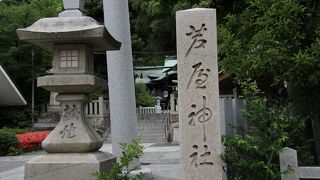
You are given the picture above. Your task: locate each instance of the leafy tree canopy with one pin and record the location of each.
(15, 55)
(272, 41)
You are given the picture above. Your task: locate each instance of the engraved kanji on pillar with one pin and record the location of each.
(200, 139)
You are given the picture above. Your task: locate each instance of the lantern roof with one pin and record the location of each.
(46, 32)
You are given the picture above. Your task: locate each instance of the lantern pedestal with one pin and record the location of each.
(55, 166)
(73, 134)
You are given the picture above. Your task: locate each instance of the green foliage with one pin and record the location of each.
(142, 96)
(97, 94)
(22, 118)
(272, 41)
(153, 29)
(14, 151)
(15, 56)
(255, 155)
(94, 8)
(263, 39)
(122, 170)
(9, 142)
(153, 25)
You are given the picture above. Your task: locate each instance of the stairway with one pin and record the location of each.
(151, 128)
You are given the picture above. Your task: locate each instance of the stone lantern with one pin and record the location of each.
(73, 145)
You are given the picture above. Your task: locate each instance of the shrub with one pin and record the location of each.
(122, 170)
(142, 96)
(31, 141)
(255, 155)
(19, 117)
(8, 141)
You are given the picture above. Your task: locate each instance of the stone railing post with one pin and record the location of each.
(172, 105)
(289, 160)
(101, 107)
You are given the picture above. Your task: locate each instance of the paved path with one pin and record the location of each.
(162, 159)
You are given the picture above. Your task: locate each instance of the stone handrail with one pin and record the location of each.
(146, 110)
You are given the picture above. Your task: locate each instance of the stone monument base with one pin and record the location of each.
(62, 166)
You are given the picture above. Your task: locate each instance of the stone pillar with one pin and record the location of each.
(101, 107)
(288, 159)
(200, 138)
(120, 75)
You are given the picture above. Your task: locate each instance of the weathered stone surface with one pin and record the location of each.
(73, 134)
(76, 83)
(85, 59)
(120, 75)
(309, 172)
(288, 159)
(46, 32)
(63, 166)
(176, 136)
(99, 124)
(53, 101)
(73, 4)
(71, 13)
(200, 138)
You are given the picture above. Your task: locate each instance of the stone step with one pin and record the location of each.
(144, 135)
(151, 136)
(148, 131)
(151, 133)
(152, 129)
(153, 140)
(151, 124)
(145, 140)
(150, 121)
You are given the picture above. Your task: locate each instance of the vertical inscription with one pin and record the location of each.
(70, 113)
(200, 141)
(68, 131)
(199, 76)
(202, 158)
(197, 36)
(203, 115)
